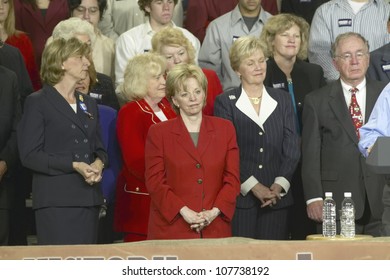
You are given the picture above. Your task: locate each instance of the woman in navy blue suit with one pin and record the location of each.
(268, 144)
(59, 140)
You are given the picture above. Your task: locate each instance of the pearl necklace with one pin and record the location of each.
(255, 100)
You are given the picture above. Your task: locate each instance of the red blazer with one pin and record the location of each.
(23, 43)
(39, 28)
(179, 174)
(213, 89)
(132, 199)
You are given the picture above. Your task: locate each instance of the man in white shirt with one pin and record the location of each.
(138, 39)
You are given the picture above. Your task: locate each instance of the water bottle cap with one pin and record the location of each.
(328, 194)
(347, 194)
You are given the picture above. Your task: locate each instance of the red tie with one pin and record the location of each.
(356, 113)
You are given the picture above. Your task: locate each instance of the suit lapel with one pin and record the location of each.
(60, 104)
(371, 97)
(386, 60)
(206, 136)
(339, 108)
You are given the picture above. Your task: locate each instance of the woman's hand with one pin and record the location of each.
(266, 196)
(88, 172)
(194, 219)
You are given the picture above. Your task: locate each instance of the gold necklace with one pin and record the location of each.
(255, 100)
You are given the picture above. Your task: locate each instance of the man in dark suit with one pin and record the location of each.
(11, 58)
(331, 161)
(9, 116)
(379, 68)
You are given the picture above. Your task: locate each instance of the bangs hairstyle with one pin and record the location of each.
(176, 81)
(139, 70)
(146, 3)
(243, 48)
(54, 55)
(281, 23)
(172, 37)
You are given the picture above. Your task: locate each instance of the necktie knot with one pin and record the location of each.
(353, 90)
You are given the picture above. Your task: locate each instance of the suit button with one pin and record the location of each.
(197, 165)
(260, 166)
(261, 150)
(76, 141)
(137, 189)
(85, 140)
(200, 181)
(73, 126)
(85, 125)
(260, 133)
(76, 156)
(86, 156)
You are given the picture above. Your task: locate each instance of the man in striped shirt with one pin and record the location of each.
(367, 17)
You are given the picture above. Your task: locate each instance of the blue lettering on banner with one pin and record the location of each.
(345, 22)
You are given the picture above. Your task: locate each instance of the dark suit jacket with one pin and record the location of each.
(50, 137)
(379, 68)
(104, 93)
(306, 77)
(331, 161)
(10, 113)
(179, 174)
(11, 58)
(267, 150)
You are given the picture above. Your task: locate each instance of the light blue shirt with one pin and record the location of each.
(378, 124)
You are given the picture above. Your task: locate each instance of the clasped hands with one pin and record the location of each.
(267, 196)
(199, 220)
(92, 173)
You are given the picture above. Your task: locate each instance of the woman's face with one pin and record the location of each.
(174, 55)
(89, 11)
(4, 9)
(83, 85)
(252, 69)
(287, 44)
(76, 67)
(156, 87)
(191, 99)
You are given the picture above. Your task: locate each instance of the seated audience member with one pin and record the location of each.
(103, 51)
(177, 49)
(286, 39)
(138, 39)
(305, 9)
(246, 19)
(10, 112)
(59, 140)
(268, 141)
(20, 40)
(192, 165)
(144, 88)
(332, 116)
(366, 17)
(38, 19)
(121, 16)
(103, 87)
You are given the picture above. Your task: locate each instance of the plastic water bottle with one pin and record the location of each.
(329, 216)
(347, 219)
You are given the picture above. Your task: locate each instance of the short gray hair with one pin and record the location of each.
(73, 26)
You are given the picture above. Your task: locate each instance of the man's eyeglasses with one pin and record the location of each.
(348, 56)
(91, 10)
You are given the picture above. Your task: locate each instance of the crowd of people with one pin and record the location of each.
(168, 119)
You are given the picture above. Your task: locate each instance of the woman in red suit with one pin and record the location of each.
(144, 88)
(18, 39)
(192, 165)
(38, 19)
(176, 48)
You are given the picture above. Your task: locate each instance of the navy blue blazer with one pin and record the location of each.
(379, 68)
(268, 144)
(50, 137)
